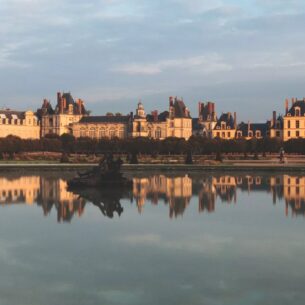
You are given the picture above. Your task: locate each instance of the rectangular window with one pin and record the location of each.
(218, 134)
(297, 124)
(297, 133)
(288, 133)
(289, 124)
(229, 134)
(223, 134)
(278, 134)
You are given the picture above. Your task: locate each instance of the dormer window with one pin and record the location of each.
(239, 134)
(250, 134)
(288, 114)
(228, 127)
(223, 125)
(297, 111)
(258, 134)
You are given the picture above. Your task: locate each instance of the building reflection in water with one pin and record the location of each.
(173, 190)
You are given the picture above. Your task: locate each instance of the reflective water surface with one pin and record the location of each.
(173, 238)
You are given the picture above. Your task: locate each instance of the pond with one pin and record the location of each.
(172, 238)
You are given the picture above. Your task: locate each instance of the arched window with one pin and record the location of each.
(83, 132)
(297, 111)
(102, 133)
(112, 133)
(149, 132)
(92, 133)
(258, 133)
(121, 133)
(158, 133)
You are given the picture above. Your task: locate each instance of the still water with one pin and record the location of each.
(172, 238)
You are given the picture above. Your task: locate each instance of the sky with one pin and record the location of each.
(246, 55)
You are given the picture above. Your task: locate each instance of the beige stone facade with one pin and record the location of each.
(173, 123)
(294, 120)
(226, 127)
(58, 121)
(24, 125)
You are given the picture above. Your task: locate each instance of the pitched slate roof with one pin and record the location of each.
(12, 114)
(161, 117)
(105, 119)
(262, 127)
(300, 104)
(180, 108)
(227, 118)
(195, 124)
(280, 121)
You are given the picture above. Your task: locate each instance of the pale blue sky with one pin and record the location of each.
(247, 56)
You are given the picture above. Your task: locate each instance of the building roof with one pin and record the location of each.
(180, 109)
(301, 105)
(195, 124)
(105, 119)
(227, 118)
(279, 124)
(262, 127)
(207, 111)
(161, 117)
(12, 114)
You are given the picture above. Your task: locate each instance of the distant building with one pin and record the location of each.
(99, 127)
(225, 127)
(276, 126)
(252, 130)
(206, 121)
(173, 123)
(59, 120)
(294, 120)
(22, 124)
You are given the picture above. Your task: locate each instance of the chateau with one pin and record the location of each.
(69, 116)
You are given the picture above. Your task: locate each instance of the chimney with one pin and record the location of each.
(59, 102)
(286, 105)
(292, 101)
(210, 107)
(64, 102)
(45, 103)
(171, 101)
(274, 118)
(235, 120)
(200, 106)
(131, 115)
(213, 107)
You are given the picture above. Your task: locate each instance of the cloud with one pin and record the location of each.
(210, 63)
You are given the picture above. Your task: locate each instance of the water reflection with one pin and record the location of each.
(175, 191)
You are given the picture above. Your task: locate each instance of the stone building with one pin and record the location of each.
(206, 121)
(59, 120)
(225, 127)
(276, 126)
(22, 124)
(251, 130)
(98, 127)
(173, 123)
(294, 120)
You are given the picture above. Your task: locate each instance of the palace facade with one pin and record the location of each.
(22, 124)
(176, 122)
(69, 116)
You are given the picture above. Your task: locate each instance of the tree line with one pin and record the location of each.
(196, 145)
